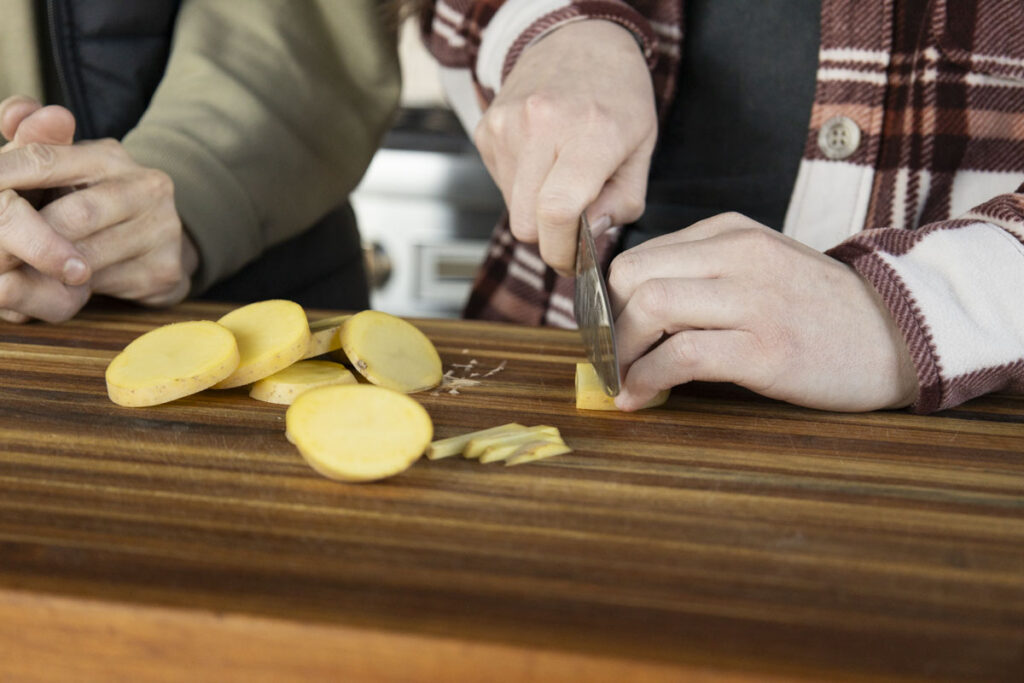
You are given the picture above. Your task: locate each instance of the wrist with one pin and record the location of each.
(519, 24)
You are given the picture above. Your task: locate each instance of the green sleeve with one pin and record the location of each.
(266, 118)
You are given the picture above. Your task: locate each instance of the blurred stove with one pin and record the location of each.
(426, 208)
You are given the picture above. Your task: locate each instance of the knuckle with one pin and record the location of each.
(165, 273)
(555, 208)
(77, 210)
(39, 157)
(633, 205)
(623, 271)
(9, 200)
(491, 127)
(653, 298)
(539, 109)
(9, 294)
(681, 349)
(157, 183)
(111, 147)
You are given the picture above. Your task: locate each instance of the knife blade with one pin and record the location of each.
(593, 310)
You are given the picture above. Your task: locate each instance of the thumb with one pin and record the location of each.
(52, 125)
(12, 111)
(622, 199)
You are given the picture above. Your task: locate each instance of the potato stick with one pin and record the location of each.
(499, 452)
(537, 450)
(476, 447)
(453, 445)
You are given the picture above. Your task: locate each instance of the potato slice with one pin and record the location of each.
(390, 352)
(323, 335)
(271, 336)
(500, 451)
(476, 447)
(536, 450)
(590, 392)
(284, 386)
(453, 445)
(170, 362)
(358, 432)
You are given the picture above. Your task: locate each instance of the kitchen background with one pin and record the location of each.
(426, 205)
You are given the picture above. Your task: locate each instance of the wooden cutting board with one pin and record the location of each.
(723, 535)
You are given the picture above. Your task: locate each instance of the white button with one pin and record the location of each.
(839, 137)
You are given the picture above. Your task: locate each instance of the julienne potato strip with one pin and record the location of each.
(500, 451)
(536, 450)
(271, 335)
(170, 362)
(454, 445)
(323, 335)
(476, 447)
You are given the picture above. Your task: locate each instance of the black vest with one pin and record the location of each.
(109, 56)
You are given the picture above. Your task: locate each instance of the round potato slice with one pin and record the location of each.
(358, 432)
(390, 352)
(271, 336)
(284, 386)
(170, 362)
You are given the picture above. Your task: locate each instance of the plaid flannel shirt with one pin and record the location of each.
(929, 207)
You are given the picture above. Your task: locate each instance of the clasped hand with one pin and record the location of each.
(79, 219)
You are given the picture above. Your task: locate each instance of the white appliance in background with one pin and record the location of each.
(426, 208)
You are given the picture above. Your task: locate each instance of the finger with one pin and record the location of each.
(670, 305)
(80, 214)
(691, 355)
(39, 166)
(531, 170)
(28, 292)
(129, 241)
(13, 316)
(52, 125)
(12, 111)
(576, 178)
(622, 199)
(703, 259)
(155, 276)
(709, 227)
(25, 235)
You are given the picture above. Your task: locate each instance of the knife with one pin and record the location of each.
(593, 311)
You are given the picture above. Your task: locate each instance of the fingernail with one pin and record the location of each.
(600, 225)
(75, 271)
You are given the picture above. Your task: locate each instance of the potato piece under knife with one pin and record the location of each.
(590, 391)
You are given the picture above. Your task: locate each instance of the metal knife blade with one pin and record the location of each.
(593, 311)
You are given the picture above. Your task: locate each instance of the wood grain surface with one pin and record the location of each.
(721, 537)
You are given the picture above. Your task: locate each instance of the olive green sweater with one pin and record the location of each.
(266, 118)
